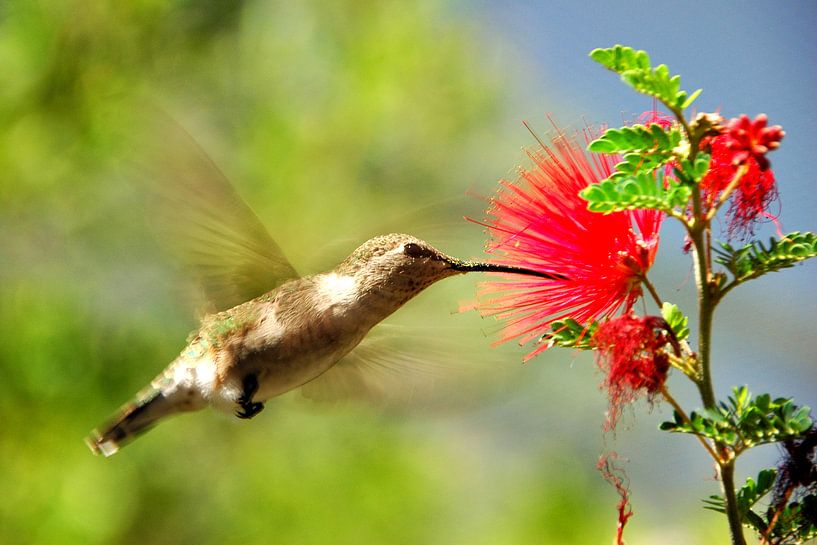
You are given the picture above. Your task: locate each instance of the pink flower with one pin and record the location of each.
(540, 222)
(631, 352)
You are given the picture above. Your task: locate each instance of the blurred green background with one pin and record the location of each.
(336, 121)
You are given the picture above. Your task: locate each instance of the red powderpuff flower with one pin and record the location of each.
(752, 139)
(541, 223)
(631, 351)
(756, 190)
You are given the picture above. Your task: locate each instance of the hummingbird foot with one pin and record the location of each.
(249, 408)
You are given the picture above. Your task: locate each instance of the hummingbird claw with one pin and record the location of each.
(249, 408)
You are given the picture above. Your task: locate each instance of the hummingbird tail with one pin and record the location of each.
(133, 419)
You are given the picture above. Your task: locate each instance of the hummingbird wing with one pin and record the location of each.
(440, 220)
(398, 365)
(200, 217)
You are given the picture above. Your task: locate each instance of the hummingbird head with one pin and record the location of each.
(398, 258)
(405, 265)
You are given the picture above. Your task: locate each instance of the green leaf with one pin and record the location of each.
(652, 138)
(693, 172)
(641, 161)
(688, 102)
(619, 58)
(747, 496)
(676, 320)
(634, 68)
(629, 192)
(742, 422)
(756, 259)
(636, 163)
(755, 521)
(715, 503)
(794, 522)
(569, 333)
(751, 492)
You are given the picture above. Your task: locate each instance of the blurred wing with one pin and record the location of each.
(399, 365)
(202, 220)
(440, 222)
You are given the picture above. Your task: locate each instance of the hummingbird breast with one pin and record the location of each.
(284, 338)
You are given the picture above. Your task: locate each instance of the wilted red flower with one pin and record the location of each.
(631, 352)
(797, 469)
(541, 223)
(614, 474)
(755, 192)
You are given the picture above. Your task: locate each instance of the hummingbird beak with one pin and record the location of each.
(475, 266)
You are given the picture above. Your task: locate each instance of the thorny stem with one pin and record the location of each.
(728, 482)
(700, 252)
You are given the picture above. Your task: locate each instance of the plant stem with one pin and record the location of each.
(705, 301)
(652, 290)
(698, 228)
(726, 193)
(698, 232)
(680, 411)
(728, 482)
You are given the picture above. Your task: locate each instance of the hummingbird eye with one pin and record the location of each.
(415, 250)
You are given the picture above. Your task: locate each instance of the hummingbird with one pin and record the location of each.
(290, 331)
